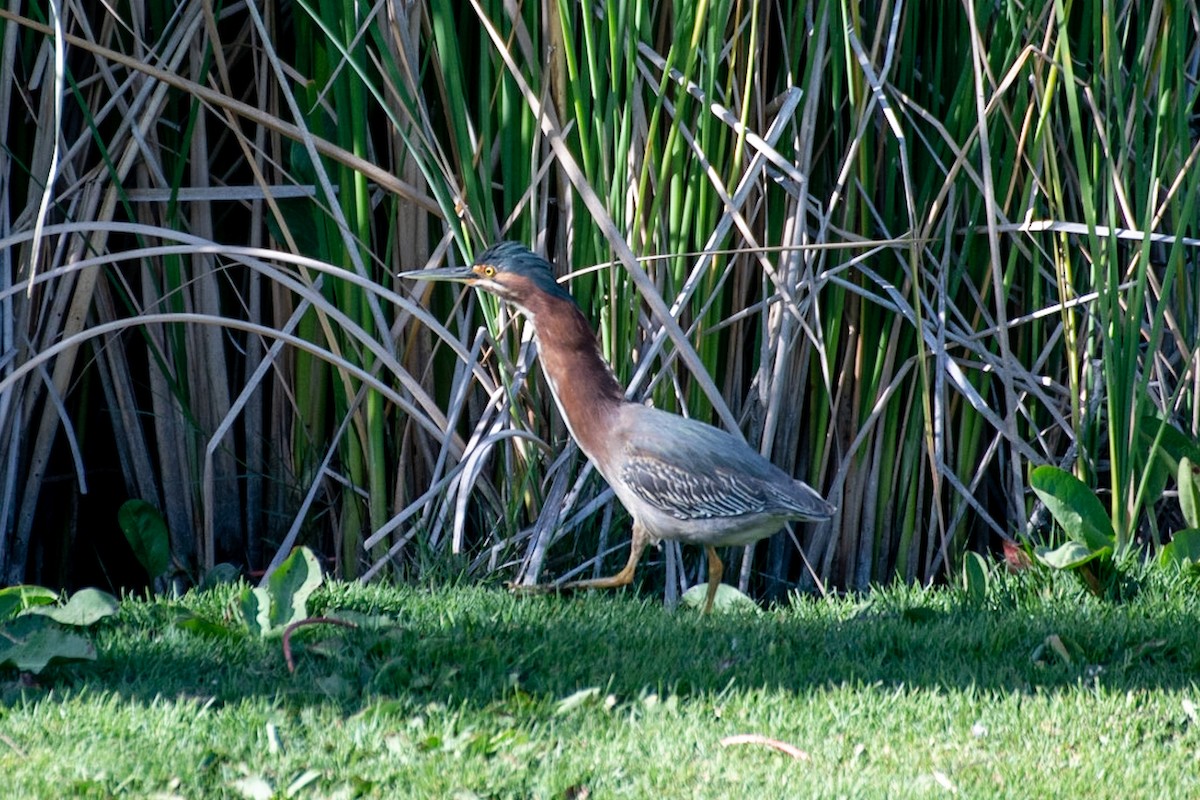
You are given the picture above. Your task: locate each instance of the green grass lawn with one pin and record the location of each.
(468, 692)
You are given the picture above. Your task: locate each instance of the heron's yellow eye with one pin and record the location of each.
(487, 270)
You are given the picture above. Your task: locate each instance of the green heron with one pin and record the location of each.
(678, 478)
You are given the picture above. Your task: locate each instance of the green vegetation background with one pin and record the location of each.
(918, 254)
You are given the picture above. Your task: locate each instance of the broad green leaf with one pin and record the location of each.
(147, 533)
(284, 599)
(975, 578)
(290, 586)
(15, 599)
(1189, 491)
(1183, 550)
(1074, 506)
(255, 605)
(86, 607)
(32, 641)
(1174, 444)
(1068, 556)
(727, 598)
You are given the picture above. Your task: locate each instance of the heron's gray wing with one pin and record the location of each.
(687, 494)
(691, 470)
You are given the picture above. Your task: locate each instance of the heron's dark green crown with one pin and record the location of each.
(516, 259)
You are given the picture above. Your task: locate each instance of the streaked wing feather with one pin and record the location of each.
(694, 495)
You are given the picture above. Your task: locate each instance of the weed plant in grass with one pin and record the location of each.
(1040, 690)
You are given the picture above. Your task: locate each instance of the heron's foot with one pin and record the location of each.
(622, 578)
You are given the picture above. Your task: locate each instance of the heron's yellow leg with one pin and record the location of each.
(623, 578)
(715, 570)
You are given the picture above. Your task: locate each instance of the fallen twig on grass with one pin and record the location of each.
(774, 744)
(287, 634)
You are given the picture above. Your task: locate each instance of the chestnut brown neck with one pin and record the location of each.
(583, 384)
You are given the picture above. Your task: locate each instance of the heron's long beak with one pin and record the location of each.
(457, 274)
